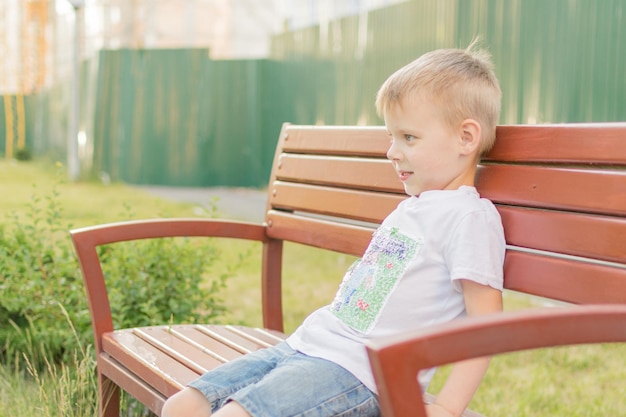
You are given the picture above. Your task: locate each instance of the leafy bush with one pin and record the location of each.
(151, 282)
(23, 154)
(39, 271)
(160, 281)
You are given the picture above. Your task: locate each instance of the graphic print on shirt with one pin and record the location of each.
(369, 282)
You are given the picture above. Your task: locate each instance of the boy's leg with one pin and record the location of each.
(208, 393)
(305, 386)
(189, 402)
(232, 409)
(278, 382)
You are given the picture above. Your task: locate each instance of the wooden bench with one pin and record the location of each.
(559, 188)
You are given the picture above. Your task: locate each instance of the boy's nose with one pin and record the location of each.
(392, 152)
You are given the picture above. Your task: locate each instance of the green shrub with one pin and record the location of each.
(160, 281)
(23, 154)
(39, 271)
(151, 282)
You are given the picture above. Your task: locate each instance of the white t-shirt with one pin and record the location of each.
(407, 278)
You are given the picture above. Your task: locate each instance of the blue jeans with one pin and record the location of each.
(280, 381)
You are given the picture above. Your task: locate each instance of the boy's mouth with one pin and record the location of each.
(404, 175)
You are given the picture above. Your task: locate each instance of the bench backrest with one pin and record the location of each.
(560, 189)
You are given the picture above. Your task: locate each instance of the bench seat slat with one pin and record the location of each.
(591, 236)
(147, 351)
(268, 336)
(564, 279)
(131, 383)
(574, 189)
(209, 345)
(158, 369)
(354, 204)
(253, 335)
(166, 339)
(358, 173)
(231, 337)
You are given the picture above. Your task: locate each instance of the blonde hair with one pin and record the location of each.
(460, 82)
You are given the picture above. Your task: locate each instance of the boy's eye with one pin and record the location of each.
(409, 138)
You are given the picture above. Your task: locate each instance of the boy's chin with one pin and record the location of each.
(412, 192)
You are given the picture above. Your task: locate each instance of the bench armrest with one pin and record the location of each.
(396, 360)
(87, 239)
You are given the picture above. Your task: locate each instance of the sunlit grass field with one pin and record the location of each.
(573, 381)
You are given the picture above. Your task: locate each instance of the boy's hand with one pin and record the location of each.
(466, 375)
(435, 410)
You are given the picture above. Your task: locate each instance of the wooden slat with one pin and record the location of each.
(591, 236)
(131, 383)
(337, 140)
(562, 279)
(160, 358)
(601, 143)
(362, 173)
(359, 205)
(592, 191)
(208, 344)
(165, 339)
(349, 239)
(159, 370)
(231, 338)
(598, 143)
(262, 339)
(268, 336)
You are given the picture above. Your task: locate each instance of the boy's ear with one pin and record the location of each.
(470, 136)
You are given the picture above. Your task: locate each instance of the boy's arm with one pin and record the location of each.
(466, 376)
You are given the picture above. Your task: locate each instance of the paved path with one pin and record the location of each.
(235, 203)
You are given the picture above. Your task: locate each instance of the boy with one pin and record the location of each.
(436, 257)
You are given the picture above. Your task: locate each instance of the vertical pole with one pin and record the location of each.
(8, 111)
(73, 164)
(21, 121)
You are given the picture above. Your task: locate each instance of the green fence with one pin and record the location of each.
(557, 60)
(16, 124)
(45, 118)
(176, 117)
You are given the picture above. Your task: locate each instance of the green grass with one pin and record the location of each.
(18, 393)
(574, 381)
(83, 204)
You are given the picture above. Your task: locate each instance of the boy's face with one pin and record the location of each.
(426, 152)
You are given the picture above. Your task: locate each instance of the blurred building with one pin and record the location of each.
(24, 44)
(36, 39)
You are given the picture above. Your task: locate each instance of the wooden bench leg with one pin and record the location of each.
(108, 397)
